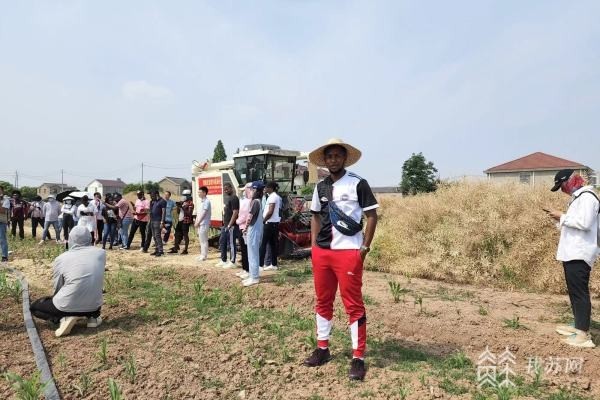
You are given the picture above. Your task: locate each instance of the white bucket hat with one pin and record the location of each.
(317, 156)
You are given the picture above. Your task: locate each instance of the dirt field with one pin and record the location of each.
(178, 329)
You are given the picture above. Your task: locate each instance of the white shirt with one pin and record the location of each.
(6, 202)
(579, 229)
(68, 209)
(273, 198)
(98, 208)
(353, 196)
(51, 210)
(205, 212)
(85, 220)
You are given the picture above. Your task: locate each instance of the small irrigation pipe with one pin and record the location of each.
(50, 391)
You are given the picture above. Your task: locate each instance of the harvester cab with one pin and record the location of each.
(261, 162)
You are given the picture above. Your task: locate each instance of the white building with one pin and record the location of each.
(104, 186)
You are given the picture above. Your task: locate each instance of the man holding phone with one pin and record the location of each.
(578, 250)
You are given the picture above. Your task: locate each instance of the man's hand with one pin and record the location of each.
(554, 214)
(363, 252)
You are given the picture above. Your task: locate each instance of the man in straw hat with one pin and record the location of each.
(578, 250)
(339, 248)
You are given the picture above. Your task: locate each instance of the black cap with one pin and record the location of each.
(561, 176)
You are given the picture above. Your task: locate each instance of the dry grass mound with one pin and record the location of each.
(473, 233)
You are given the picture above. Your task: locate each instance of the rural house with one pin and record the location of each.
(104, 186)
(534, 169)
(47, 189)
(173, 185)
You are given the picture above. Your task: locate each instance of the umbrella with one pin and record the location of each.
(61, 196)
(78, 195)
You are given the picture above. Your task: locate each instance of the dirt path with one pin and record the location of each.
(194, 333)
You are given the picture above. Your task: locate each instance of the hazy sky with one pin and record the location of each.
(96, 88)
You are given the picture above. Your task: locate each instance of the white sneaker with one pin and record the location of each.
(270, 268)
(66, 324)
(41, 242)
(566, 330)
(220, 264)
(229, 265)
(250, 282)
(240, 273)
(94, 322)
(200, 258)
(580, 339)
(244, 275)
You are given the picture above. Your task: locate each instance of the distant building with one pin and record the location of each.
(534, 169)
(104, 186)
(174, 185)
(47, 189)
(386, 190)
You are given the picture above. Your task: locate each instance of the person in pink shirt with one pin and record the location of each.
(241, 221)
(140, 218)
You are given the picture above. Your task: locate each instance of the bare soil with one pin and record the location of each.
(195, 334)
(15, 349)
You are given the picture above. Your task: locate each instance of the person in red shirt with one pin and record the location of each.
(141, 217)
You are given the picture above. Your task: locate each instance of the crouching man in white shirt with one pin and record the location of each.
(78, 276)
(578, 250)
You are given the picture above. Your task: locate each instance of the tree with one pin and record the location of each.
(148, 187)
(418, 175)
(7, 187)
(28, 192)
(219, 154)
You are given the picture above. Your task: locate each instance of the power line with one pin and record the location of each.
(170, 167)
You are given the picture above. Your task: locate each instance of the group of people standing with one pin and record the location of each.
(251, 225)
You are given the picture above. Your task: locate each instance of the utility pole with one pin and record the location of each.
(16, 179)
(142, 177)
(62, 180)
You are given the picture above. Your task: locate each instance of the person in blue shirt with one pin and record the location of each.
(168, 216)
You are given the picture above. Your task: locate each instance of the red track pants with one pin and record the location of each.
(343, 267)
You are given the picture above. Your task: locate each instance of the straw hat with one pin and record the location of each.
(317, 156)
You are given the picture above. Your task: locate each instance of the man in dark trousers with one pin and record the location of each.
(140, 219)
(339, 248)
(230, 230)
(578, 250)
(157, 223)
(184, 220)
(19, 209)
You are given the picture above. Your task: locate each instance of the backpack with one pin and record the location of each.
(598, 228)
(342, 223)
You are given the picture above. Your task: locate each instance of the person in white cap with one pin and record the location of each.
(339, 248)
(68, 210)
(578, 250)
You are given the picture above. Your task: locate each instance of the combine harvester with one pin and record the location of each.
(265, 163)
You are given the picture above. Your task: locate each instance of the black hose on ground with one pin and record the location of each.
(50, 391)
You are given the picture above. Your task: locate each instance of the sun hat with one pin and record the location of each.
(317, 156)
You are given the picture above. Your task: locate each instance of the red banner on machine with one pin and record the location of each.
(214, 184)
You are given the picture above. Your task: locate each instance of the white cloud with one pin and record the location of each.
(134, 90)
